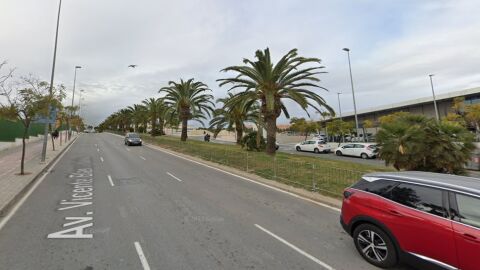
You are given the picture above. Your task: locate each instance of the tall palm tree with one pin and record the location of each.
(138, 114)
(270, 84)
(152, 105)
(188, 100)
(233, 115)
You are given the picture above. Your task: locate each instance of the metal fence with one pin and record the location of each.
(314, 176)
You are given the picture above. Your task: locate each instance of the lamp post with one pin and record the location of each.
(339, 106)
(45, 135)
(73, 98)
(434, 99)
(353, 91)
(80, 102)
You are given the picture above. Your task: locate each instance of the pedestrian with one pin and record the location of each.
(55, 134)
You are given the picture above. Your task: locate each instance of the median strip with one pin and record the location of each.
(319, 262)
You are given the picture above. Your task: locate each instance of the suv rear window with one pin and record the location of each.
(422, 198)
(379, 187)
(469, 210)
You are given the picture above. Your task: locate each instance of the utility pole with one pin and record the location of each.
(45, 134)
(353, 92)
(434, 99)
(339, 106)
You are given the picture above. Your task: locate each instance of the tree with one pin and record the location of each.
(340, 128)
(271, 84)
(472, 115)
(138, 114)
(390, 118)
(233, 115)
(189, 101)
(156, 111)
(303, 126)
(414, 142)
(23, 101)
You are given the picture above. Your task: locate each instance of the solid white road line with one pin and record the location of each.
(176, 178)
(324, 265)
(30, 191)
(142, 257)
(101, 159)
(110, 180)
(143, 158)
(247, 179)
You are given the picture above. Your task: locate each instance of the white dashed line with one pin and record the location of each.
(110, 180)
(143, 158)
(174, 177)
(324, 265)
(142, 257)
(98, 150)
(101, 159)
(127, 149)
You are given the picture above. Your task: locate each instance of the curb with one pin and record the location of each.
(5, 209)
(305, 194)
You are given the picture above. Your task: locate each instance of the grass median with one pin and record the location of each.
(328, 177)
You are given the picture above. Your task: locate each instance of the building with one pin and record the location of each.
(423, 106)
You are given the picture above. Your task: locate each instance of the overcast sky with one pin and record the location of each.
(394, 45)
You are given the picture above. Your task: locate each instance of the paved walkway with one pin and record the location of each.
(11, 183)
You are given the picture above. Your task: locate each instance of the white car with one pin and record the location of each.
(363, 150)
(316, 146)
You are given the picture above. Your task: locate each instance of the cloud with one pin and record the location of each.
(394, 45)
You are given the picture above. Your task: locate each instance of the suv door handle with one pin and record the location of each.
(471, 237)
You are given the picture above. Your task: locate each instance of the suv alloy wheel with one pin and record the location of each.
(375, 246)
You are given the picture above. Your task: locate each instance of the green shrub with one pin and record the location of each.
(249, 141)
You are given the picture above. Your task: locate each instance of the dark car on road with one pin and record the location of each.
(429, 220)
(132, 139)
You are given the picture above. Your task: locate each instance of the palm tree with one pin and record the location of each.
(188, 100)
(271, 83)
(138, 114)
(233, 115)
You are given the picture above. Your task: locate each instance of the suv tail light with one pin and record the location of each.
(347, 194)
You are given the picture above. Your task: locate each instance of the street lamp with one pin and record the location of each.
(73, 98)
(45, 135)
(80, 102)
(339, 106)
(434, 99)
(353, 91)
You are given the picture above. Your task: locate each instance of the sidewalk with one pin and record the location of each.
(13, 185)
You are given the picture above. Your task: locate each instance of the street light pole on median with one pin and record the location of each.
(434, 99)
(73, 98)
(45, 134)
(353, 92)
(339, 106)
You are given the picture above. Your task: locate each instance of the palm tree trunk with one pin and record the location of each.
(22, 161)
(239, 131)
(271, 127)
(161, 127)
(184, 129)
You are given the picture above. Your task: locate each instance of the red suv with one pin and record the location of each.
(428, 220)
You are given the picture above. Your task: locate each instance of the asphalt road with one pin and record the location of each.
(106, 206)
(290, 148)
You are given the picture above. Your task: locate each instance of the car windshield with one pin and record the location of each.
(133, 135)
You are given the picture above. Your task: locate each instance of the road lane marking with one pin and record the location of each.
(127, 149)
(98, 150)
(110, 180)
(324, 265)
(101, 159)
(250, 180)
(143, 158)
(176, 178)
(30, 191)
(142, 257)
